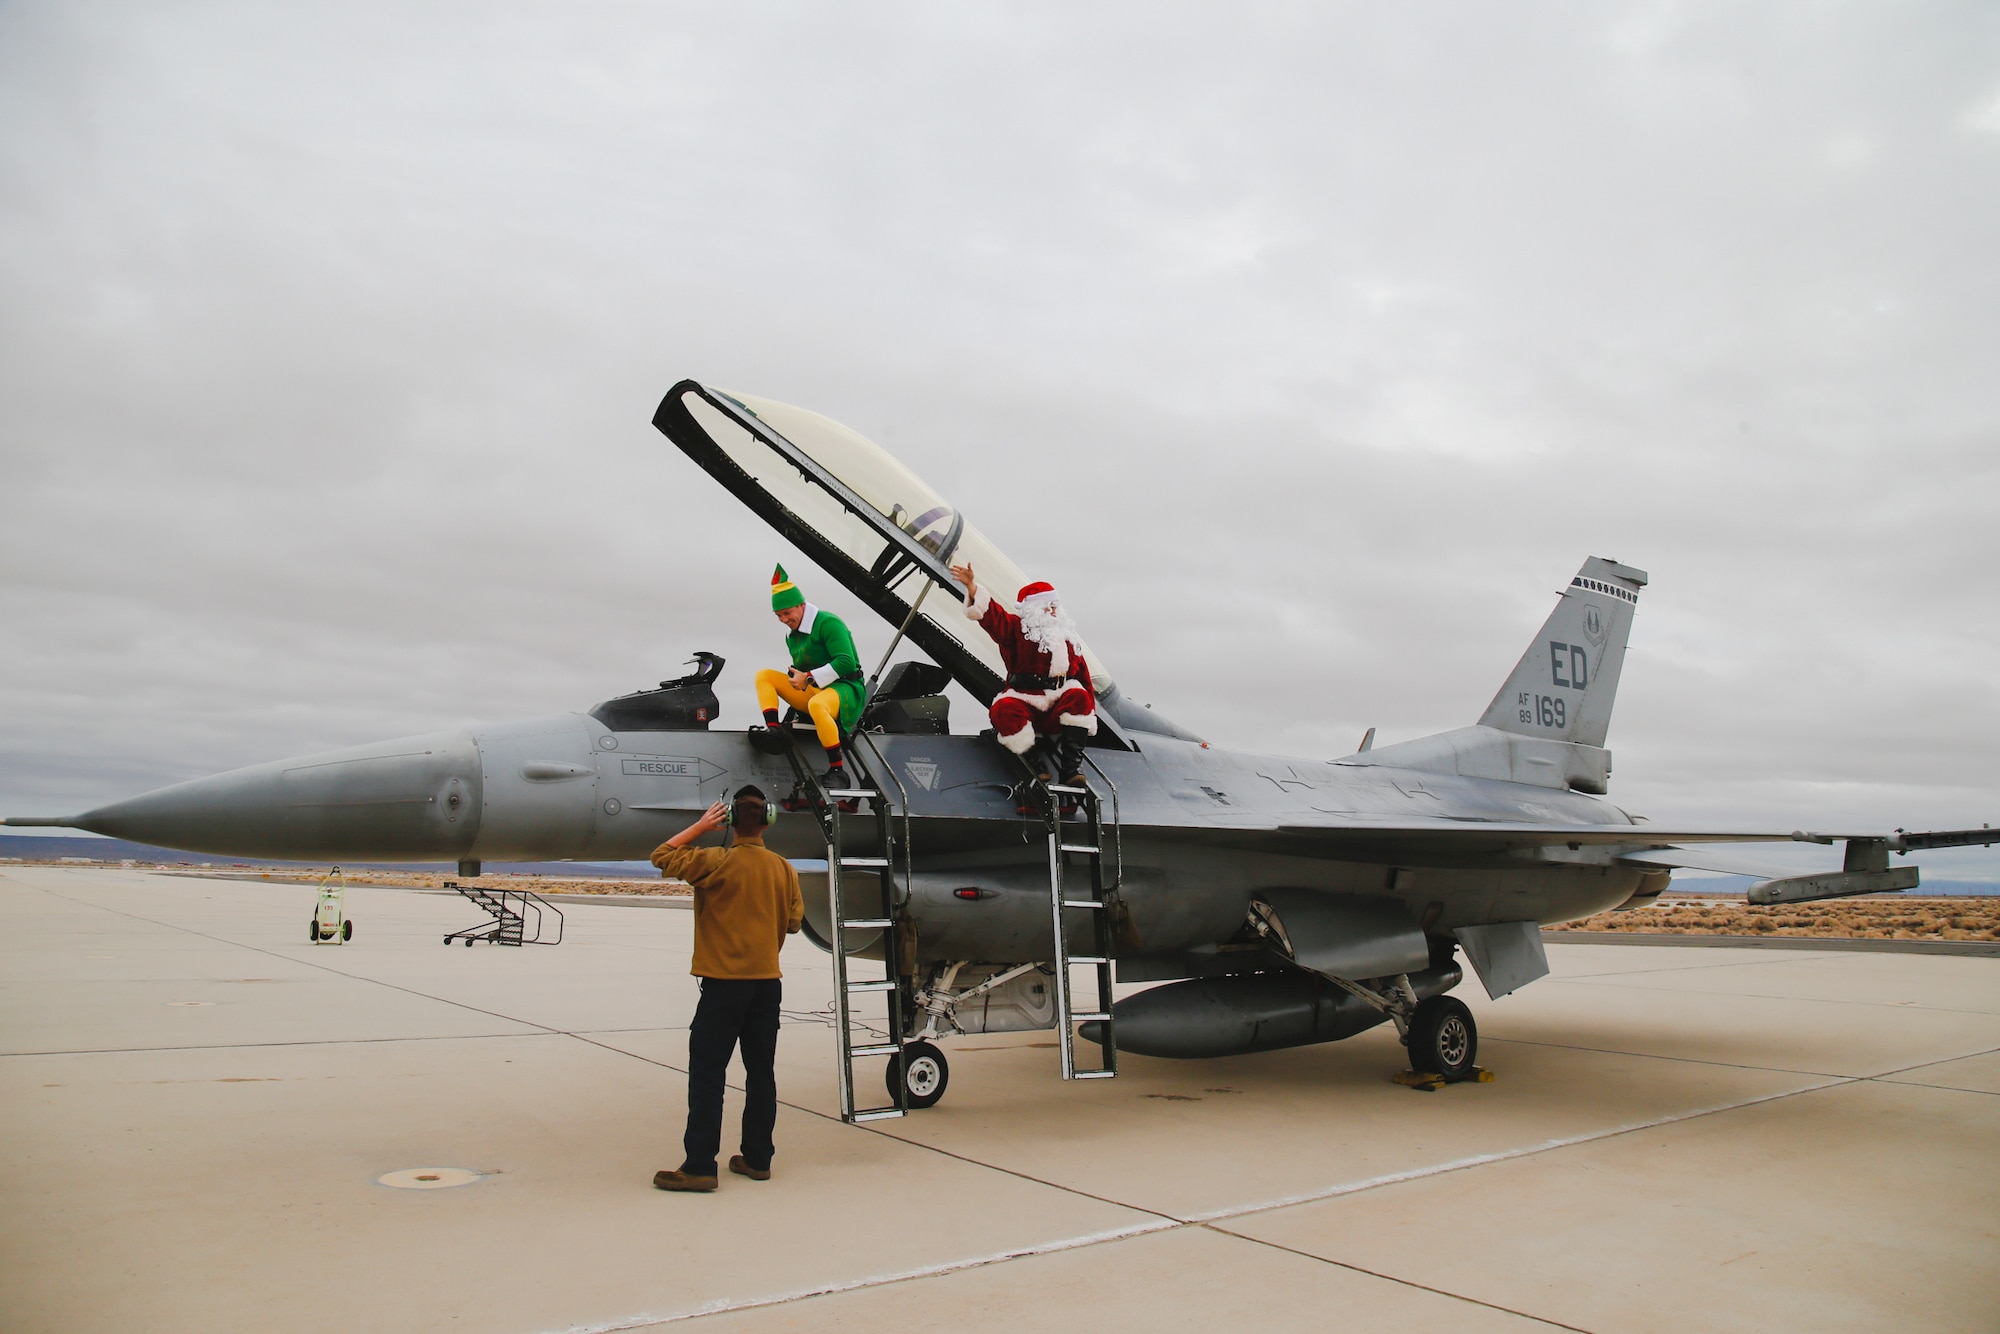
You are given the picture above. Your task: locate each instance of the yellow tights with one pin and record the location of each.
(822, 706)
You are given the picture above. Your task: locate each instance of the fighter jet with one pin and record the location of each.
(1277, 901)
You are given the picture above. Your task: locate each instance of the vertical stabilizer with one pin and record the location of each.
(1564, 685)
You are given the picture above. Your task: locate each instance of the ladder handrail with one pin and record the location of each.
(827, 810)
(1098, 905)
(1117, 825)
(902, 803)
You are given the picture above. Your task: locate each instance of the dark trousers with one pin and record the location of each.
(732, 1012)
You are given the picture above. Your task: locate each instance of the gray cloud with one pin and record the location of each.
(1309, 349)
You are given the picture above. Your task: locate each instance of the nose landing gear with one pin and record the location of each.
(925, 1074)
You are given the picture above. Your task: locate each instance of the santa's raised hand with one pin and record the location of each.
(963, 573)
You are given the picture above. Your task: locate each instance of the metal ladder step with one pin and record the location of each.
(1101, 883)
(875, 882)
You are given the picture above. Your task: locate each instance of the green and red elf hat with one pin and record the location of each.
(784, 593)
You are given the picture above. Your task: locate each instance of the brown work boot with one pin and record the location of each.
(743, 1169)
(675, 1179)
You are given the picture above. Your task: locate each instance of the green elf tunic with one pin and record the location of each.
(821, 645)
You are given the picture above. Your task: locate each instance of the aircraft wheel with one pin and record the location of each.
(925, 1074)
(347, 930)
(1443, 1039)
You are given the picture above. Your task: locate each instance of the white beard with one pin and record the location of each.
(1054, 633)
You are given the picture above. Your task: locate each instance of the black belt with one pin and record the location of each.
(1025, 681)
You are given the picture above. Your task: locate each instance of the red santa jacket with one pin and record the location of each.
(1024, 657)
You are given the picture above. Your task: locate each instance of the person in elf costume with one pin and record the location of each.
(1049, 705)
(824, 680)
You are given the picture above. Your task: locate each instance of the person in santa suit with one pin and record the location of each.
(1049, 705)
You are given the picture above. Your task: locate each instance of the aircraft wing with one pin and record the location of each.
(1457, 840)
(1444, 842)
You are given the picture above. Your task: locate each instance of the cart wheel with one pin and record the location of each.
(312, 929)
(347, 930)
(468, 942)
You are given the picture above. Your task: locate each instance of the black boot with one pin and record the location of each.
(836, 777)
(1041, 759)
(1069, 758)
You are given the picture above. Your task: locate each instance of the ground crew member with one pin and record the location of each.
(746, 900)
(825, 677)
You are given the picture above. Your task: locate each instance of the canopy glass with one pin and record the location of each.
(864, 516)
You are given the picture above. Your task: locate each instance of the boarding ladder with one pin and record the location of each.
(886, 855)
(1099, 900)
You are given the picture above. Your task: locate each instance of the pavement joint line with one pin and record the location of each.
(723, 1306)
(1564, 1142)
(310, 963)
(1401, 1282)
(1811, 1000)
(834, 1117)
(1162, 1221)
(1689, 1060)
(302, 1042)
(1502, 1155)
(1797, 957)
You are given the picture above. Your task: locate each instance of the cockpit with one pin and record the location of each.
(883, 533)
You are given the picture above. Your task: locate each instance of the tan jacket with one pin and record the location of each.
(746, 901)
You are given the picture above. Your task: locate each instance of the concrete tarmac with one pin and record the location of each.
(198, 1105)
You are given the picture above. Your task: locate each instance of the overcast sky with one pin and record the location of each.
(1308, 348)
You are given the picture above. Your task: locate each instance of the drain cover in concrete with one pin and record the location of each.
(428, 1178)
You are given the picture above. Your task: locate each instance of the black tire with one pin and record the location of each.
(312, 928)
(347, 930)
(468, 942)
(925, 1075)
(1443, 1039)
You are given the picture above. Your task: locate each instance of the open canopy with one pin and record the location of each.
(867, 520)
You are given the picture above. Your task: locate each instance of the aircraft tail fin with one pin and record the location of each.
(1564, 685)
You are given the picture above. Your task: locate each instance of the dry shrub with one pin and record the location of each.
(1853, 918)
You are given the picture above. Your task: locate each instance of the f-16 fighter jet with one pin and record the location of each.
(1276, 900)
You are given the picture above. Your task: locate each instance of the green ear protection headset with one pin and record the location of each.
(729, 811)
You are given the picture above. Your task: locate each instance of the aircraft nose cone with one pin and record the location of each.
(416, 798)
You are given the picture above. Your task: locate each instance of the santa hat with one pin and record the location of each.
(1037, 594)
(784, 593)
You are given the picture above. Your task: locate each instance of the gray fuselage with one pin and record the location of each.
(1200, 829)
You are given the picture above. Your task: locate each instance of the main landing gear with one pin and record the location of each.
(1443, 1039)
